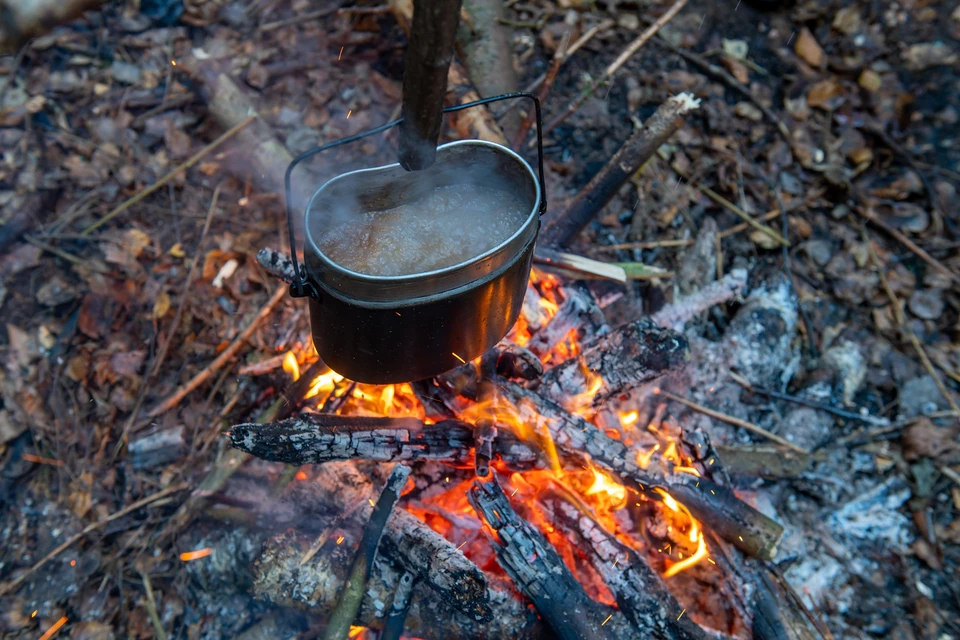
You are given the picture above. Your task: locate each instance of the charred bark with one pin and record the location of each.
(578, 312)
(539, 573)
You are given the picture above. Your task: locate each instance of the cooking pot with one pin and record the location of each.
(391, 329)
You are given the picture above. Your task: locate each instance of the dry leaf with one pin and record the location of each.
(870, 80)
(134, 242)
(177, 251)
(825, 94)
(161, 305)
(762, 240)
(809, 49)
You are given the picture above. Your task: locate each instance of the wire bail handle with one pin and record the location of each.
(301, 287)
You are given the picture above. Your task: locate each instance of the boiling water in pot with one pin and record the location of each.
(449, 225)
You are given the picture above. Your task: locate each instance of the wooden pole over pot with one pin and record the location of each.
(429, 54)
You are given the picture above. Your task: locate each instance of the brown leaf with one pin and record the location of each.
(92, 322)
(176, 141)
(257, 76)
(161, 305)
(26, 256)
(927, 553)
(78, 367)
(127, 363)
(826, 94)
(923, 439)
(809, 49)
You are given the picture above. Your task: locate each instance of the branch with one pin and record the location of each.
(539, 573)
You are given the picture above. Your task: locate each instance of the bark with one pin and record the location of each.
(315, 438)
(623, 359)
(560, 230)
(539, 573)
(427, 64)
(21, 20)
(469, 123)
(280, 578)
(714, 505)
(641, 594)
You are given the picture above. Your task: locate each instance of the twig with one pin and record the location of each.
(9, 587)
(170, 176)
(614, 66)
(639, 148)
(60, 253)
(908, 243)
(348, 603)
(393, 626)
(558, 57)
(680, 311)
(152, 607)
(300, 18)
(905, 328)
(749, 426)
(228, 354)
(576, 46)
(849, 415)
(950, 473)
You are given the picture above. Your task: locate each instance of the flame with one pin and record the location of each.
(643, 457)
(627, 419)
(323, 383)
(356, 631)
(549, 307)
(187, 556)
(604, 484)
(693, 534)
(291, 366)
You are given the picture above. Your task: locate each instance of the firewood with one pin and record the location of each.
(399, 608)
(316, 438)
(559, 230)
(714, 505)
(280, 578)
(578, 311)
(351, 596)
(641, 594)
(613, 363)
(26, 19)
(539, 573)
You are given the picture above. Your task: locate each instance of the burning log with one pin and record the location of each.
(539, 573)
(561, 229)
(641, 594)
(630, 356)
(281, 577)
(578, 312)
(351, 596)
(714, 505)
(316, 438)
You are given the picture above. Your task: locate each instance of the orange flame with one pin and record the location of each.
(694, 534)
(323, 383)
(604, 484)
(291, 366)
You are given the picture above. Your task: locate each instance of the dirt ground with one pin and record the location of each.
(846, 116)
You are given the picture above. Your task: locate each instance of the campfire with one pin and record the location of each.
(553, 469)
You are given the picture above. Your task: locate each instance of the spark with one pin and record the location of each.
(49, 633)
(738, 5)
(741, 538)
(34, 614)
(29, 457)
(341, 539)
(340, 55)
(459, 358)
(349, 113)
(710, 560)
(301, 475)
(370, 500)
(629, 418)
(515, 492)
(792, 33)
(681, 614)
(244, 201)
(462, 545)
(607, 620)
(701, 22)
(73, 563)
(187, 556)
(173, 62)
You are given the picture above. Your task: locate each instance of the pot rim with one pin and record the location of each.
(357, 285)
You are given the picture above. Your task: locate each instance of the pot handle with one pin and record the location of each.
(301, 286)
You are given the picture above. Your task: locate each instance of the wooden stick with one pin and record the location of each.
(908, 243)
(539, 573)
(614, 66)
(152, 607)
(197, 157)
(399, 608)
(561, 229)
(558, 57)
(576, 46)
(749, 426)
(578, 266)
(11, 586)
(226, 356)
(351, 596)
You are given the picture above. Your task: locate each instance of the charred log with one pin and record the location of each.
(578, 312)
(540, 574)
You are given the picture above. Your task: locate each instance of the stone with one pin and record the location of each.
(926, 303)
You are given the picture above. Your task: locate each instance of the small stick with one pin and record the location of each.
(614, 66)
(348, 604)
(576, 46)
(680, 311)
(228, 354)
(849, 415)
(908, 243)
(152, 607)
(749, 426)
(393, 626)
(9, 587)
(299, 19)
(558, 57)
(170, 176)
(905, 328)
(263, 367)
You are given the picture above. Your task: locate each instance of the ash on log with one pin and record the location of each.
(640, 593)
(539, 573)
(316, 438)
(714, 505)
(280, 577)
(579, 312)
(627, 357)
